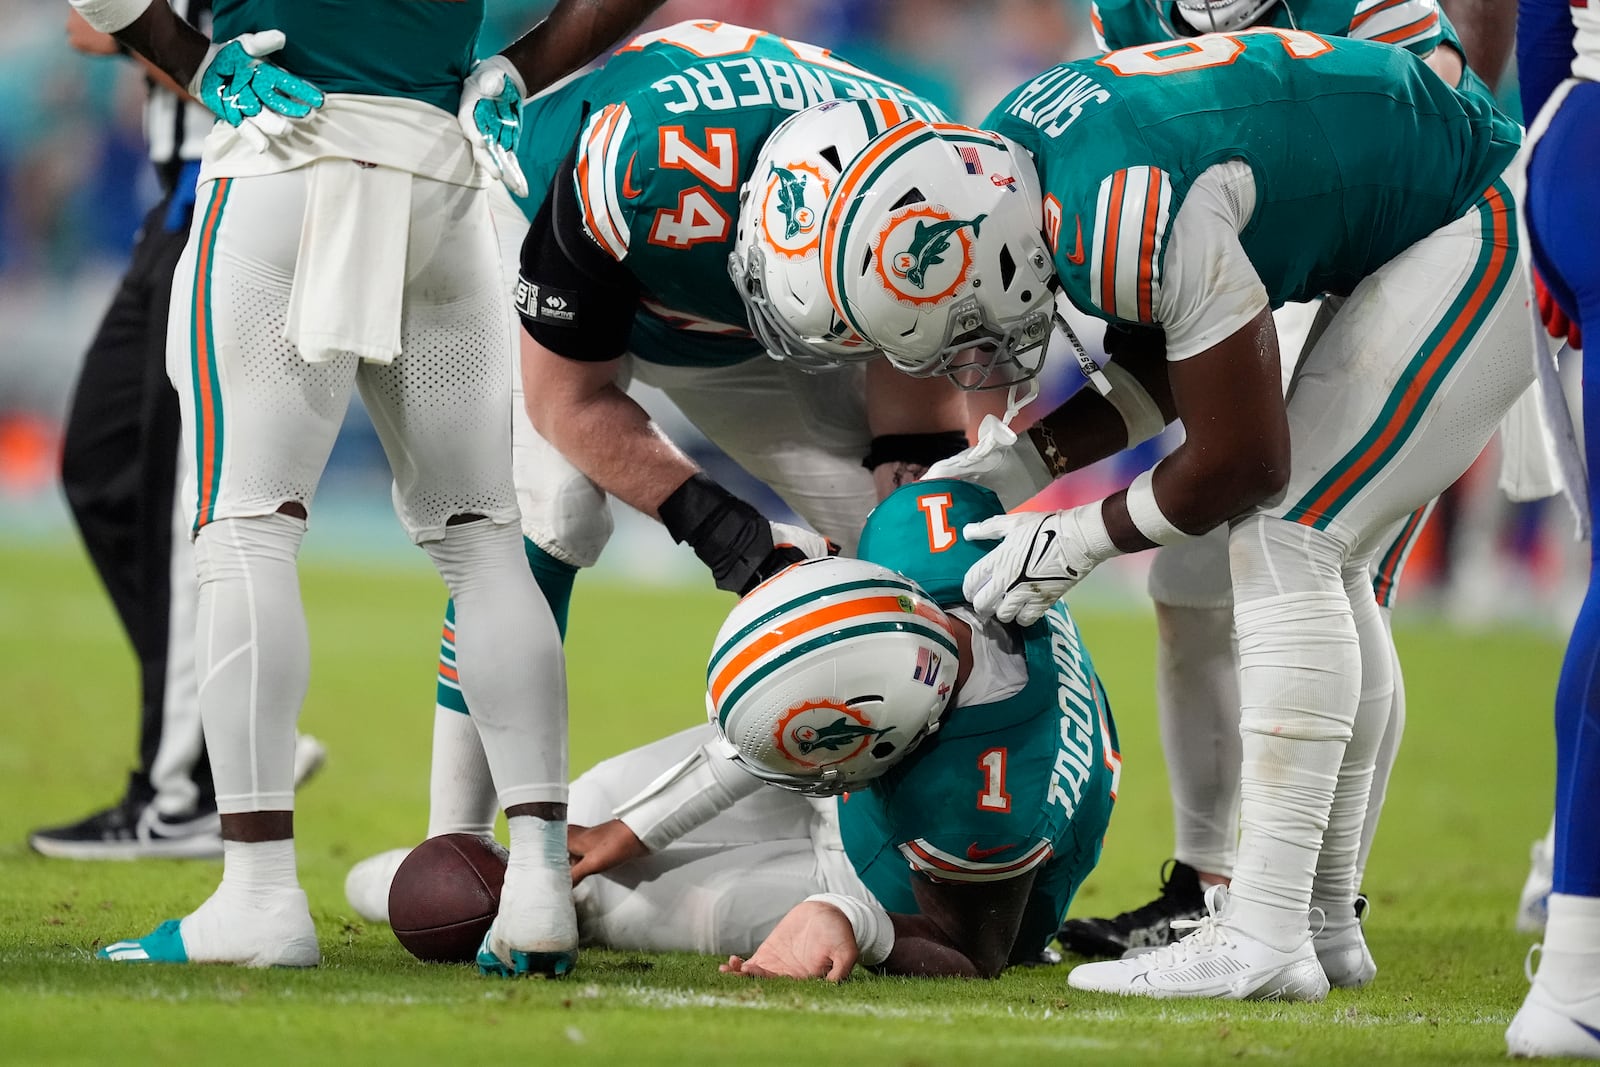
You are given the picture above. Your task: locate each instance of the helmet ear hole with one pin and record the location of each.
(1008, 267)
(913, 196)
(883, 750)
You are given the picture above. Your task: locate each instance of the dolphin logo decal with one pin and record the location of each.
(929, 243)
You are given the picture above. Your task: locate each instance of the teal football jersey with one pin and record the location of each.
(667, 132)
(421, 49)
(1357, 149)
(1418, 26)
(1021, 784)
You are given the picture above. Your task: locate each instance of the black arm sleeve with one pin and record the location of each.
(573, 298)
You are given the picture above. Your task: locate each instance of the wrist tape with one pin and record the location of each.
(1147, 515)
(868, 921)
(110, 16)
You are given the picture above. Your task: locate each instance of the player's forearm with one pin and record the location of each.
(915, 422)
(572, 34)
(613, 441)
(922, 950)
(170, 44)
(1487, 29)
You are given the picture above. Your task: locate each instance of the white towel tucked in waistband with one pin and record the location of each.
(349, 276)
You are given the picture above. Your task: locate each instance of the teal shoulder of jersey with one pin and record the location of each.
(1357, 149)
(1017, 786)
(420, 51)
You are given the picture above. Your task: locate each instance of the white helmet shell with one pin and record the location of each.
(829, 673)
(774, 262)
(933, 250)
(1222, 16)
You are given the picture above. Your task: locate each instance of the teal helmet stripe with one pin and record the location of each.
(761, 623)
(840, 266)
(910, 624)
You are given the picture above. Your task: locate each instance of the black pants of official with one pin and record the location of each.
(119, 468)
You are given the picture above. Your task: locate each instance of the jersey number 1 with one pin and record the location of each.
(994, 796)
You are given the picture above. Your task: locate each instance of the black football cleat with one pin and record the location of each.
(1148, 926)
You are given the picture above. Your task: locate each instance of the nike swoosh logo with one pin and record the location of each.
(1075, 257)
(1591, 1031)
(1044, 549)
(976, 853)
(627, 179)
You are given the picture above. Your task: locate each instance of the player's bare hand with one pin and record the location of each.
(594, 849)
(813, 941)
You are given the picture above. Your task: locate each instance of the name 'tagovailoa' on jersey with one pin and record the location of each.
(672, 124)
(1022, 784)
(1357, 150)
(408, 48)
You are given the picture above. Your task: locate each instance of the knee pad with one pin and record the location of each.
(1270, 557)
(224, 548)
(1193, 573)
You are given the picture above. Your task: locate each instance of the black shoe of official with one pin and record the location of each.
(1149, 926)
(133, 829)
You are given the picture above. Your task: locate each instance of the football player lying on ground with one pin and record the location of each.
(1201, 180)
(623, 281)
(979, 757)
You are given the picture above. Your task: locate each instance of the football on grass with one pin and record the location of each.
(445, 895)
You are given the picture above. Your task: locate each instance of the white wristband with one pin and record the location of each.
(1147, 515)
(110, 16)
(870, 923)
(1139, 411)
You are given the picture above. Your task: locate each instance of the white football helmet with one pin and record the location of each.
(774, 262)
(1222, 16)
(828, 673)
(933, 250)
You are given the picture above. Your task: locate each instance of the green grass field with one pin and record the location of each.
(1471, 791)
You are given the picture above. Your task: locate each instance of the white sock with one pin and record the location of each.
(1570, 965)
(509, 656)
(1388, 750)
(536, 909)
(1197, 702)
(253, 658)
(1336, 883)
(258, 916)
(461, 796)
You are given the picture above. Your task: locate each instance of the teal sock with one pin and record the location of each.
(555, 580)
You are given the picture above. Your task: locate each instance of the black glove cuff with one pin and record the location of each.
(921, 449)
(730, 536)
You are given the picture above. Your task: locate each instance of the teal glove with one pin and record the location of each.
(491, 117)
(256, 98)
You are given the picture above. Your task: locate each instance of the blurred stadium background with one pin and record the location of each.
(73, 185)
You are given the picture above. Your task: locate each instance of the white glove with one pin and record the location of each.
(491, 117)
(1041, 556)
(1013, 469)
(256, 98)
(811, 545)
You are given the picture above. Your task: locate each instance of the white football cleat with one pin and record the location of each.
(1343, 954)
(1534, 906)
(1548, 1026)
(1214, 961)
(536, 931)
(366, 887)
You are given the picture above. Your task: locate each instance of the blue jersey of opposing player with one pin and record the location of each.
(1021, 782)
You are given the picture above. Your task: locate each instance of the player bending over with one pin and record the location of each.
(641, 173)
(343, 240)
(1196, 665)
(1193, 187)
